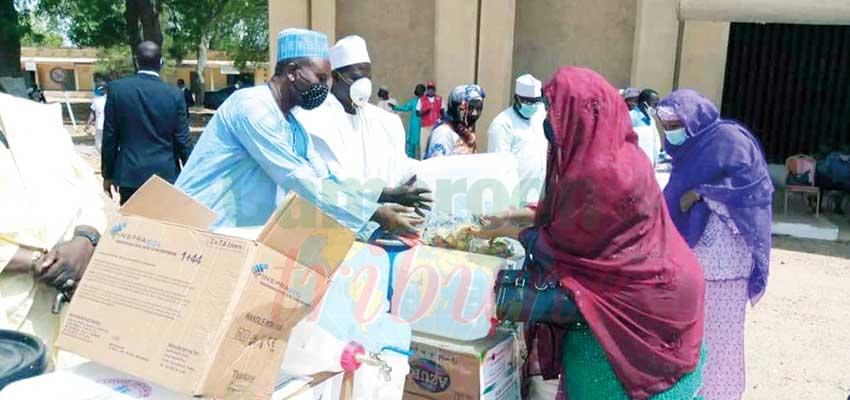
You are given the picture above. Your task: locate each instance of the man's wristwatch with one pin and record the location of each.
(92, 237)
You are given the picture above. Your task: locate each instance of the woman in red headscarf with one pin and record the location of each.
(603, 228)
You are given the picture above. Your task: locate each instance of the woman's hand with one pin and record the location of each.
(506, 224)
(494, 226)
(688, 199)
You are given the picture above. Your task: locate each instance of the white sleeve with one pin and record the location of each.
(498, 137)
(419, 105)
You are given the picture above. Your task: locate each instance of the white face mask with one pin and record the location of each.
(360, 91)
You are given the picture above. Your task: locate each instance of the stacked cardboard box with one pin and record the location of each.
(199, 313)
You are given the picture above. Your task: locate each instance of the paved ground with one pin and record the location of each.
(798, 336)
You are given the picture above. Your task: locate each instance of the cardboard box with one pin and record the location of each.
(484, 369)
(199, 313)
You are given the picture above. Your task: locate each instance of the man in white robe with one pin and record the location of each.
(519, 130)
(356, 139)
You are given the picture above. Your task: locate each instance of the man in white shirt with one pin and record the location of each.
(386, 102)
(98, 104)
(356, 139)
(519, 130)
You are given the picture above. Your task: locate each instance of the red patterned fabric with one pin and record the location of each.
(615, 248)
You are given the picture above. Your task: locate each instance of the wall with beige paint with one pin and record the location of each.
(598, 34)
(703, 59)
(85, 76)
(495, 58)
(400, 37)
(656, 38)
(43, 71)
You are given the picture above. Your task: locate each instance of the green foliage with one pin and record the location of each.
(113, 62)
(92, 23)
(43, 32)
(239, 27)
(248, 39)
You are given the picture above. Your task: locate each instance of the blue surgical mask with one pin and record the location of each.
(677, 136)
(528, 110)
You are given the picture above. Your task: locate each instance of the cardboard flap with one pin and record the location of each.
(302, 232)
(157, 199)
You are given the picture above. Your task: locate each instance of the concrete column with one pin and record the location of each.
(285, 14)
(456, 37)
(656, 35)
(323, 18)
(495, 61)
(703, 60)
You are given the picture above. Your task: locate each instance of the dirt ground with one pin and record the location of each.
(798, 336)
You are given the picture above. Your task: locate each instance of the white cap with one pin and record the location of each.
(349, 50)
(528, 86)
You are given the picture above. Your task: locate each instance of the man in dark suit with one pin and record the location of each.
(145, 132)
(188, 96)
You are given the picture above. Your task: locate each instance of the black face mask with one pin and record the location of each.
(548, 131)
(313, 96)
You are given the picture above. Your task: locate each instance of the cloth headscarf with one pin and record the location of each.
(459, 101)
(721, 161)
(613, 246)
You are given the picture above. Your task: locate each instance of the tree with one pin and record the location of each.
(90, 23)
(108, 23)
(113, 63)
(13, 25)
(197, 24)
(142, 18)
(42, 32)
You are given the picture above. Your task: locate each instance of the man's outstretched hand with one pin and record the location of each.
(398, 219)
(408, 195)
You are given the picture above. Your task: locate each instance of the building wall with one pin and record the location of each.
(261, 76)
(85, 76)
(43, 71)
(703, 60)
(598, 34)
(400, 37)
(656, 39)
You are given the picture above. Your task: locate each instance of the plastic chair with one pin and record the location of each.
(799, 165)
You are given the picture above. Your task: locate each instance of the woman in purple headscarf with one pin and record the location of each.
(719, 197)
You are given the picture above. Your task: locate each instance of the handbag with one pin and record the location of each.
(533, 294)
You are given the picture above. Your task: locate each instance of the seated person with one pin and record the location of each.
(833, 175)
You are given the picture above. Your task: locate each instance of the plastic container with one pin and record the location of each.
(446, 293)
(471, 184)
(22, 356)
(355, 306)
(311, 350)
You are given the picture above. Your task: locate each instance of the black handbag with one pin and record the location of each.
(533, 294)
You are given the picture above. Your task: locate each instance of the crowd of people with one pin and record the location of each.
(660, 280)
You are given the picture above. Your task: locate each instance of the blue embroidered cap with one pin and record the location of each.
(295, 43)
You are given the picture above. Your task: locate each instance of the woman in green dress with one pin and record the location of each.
(602, 231)
(413, 125)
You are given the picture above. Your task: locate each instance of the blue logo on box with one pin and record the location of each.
(117, 228)
(429, 375)
(259, 269)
